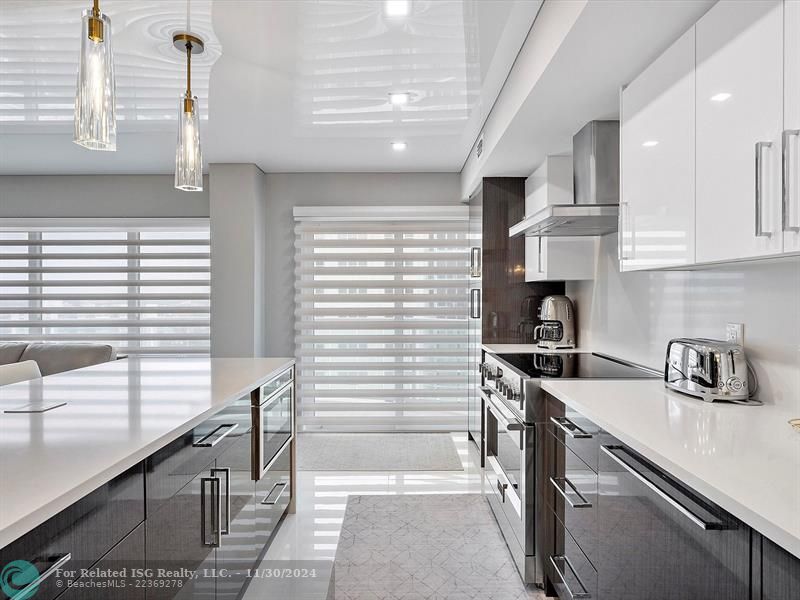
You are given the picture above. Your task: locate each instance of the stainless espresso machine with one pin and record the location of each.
(557, 330)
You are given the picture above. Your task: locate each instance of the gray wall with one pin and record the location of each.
(287, 190)
(634, 315)
(135, 196)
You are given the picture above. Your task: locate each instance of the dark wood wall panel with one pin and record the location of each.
(504, 285)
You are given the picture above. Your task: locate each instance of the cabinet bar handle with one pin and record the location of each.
(787, 174)
(272, 497)
(563, 577)
(207, 442)
(227, 472)
(556, 483)
(759, 184)
(611, 450)
(29, 590)
(475, 303)
(570, 428)
(541, 268)
(213, 483)
(475, 261)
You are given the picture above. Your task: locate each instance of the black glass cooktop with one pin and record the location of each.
(575, 365)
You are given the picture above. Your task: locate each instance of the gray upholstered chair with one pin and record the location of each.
(56, 358)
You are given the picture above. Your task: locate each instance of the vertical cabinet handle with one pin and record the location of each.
(475, 303)
(475, 261)
(216, 508)
(30, 589)
(759, 190)
(788, 225)
(541, 268)
(227, 473)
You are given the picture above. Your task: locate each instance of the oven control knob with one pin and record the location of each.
(501, 386)
(510, 393)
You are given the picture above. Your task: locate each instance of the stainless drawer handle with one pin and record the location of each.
(759, 189)
(29, 590)
(227, 472)
(556, 483)
(207, 442)
(563, 577)
(213, 483)
(275, 493)
(501, 487)
(568, 427)
(787, 174)
(664, 495)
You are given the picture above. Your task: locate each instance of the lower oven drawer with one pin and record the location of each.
(273, 494)
(572, 574)
(506, 499)
(572, 496)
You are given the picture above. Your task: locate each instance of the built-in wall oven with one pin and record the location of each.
(272, 407)
(509, 472)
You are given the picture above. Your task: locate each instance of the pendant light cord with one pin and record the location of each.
(96, 9)
(188, 69)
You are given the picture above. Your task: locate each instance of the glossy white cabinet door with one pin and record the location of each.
(791, 125)
(739, 81)
(657, 144)
(560, 258)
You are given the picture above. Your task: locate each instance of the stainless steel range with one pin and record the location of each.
(514, 406)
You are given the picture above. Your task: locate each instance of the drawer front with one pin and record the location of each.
(575, 431)
(505, 500)
(276, 383)
(273, 494)
(79, 535)
(128, 555)
(572, 496)
(573, 574)
(177, 463)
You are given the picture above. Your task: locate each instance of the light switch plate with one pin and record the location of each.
(734, 333)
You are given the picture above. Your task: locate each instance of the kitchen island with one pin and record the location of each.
(173, 447)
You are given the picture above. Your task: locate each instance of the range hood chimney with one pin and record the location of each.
(595, 210)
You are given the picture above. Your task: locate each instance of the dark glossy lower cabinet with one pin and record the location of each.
(127, 556)
(780, 572)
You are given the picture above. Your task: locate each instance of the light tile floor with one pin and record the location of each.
(312, 533)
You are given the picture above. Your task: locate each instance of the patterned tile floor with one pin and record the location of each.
(315, 531)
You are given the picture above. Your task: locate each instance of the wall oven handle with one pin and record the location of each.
(209, 440)
(227, 472)
(787, 174)
(563, 577)
(29, 590)
(272, 497)
(568, 427)
(556, 483)
(611, 451)
(216, 508)
(759, 189)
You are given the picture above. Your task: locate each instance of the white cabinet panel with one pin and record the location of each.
(560, 258)
(791, 124)
(657, 162)
(739, 104)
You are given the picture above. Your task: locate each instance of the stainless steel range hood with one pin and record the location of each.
(595, 211)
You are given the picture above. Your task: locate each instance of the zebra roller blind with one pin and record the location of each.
(140, 285)
(381, 318)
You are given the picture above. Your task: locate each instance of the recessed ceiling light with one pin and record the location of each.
(398, 98)
(399, 146)
(397, 8)
(650, 143)
(721, 97)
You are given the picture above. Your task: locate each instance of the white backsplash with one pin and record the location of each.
(634, 315)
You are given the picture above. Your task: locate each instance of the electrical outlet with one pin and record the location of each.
(734, 333)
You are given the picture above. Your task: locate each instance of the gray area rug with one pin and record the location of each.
(424, 547)
(377, 452)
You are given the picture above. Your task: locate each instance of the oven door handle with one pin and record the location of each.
(509, 423)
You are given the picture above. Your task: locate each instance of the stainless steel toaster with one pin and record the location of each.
(709, 369)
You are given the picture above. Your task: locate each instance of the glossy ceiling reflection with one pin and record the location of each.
(39, 51)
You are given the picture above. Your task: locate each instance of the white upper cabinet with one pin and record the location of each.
(739, 120)
(791, 125)
(657, 138)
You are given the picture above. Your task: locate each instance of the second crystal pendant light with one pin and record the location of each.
(188, 157)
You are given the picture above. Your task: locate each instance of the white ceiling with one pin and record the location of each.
(288, 85)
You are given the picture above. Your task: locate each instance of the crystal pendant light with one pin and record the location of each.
(95, 102)
(188, 157)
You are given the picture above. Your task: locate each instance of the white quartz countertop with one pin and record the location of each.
(526, 349)
(117, 414)
(744, 458)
